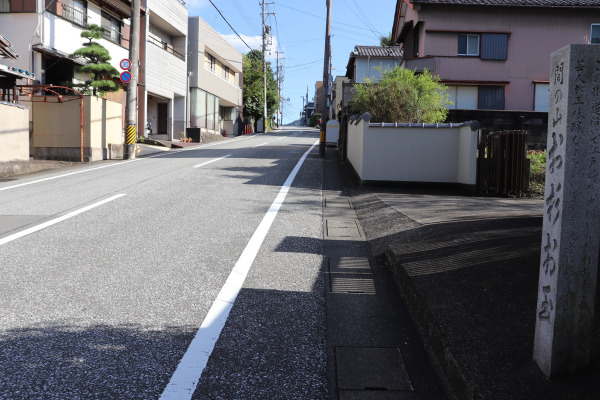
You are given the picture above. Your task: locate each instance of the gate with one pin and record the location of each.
(501, 163)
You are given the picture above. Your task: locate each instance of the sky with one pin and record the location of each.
(298, 29)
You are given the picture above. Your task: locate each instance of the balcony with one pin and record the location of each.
(165, 46)
(75, 15)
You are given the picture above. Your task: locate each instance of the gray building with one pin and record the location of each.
(215, 80)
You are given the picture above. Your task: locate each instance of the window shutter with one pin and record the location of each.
(491, 97)
(493, 46)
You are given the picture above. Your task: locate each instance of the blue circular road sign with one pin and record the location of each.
(125, 76)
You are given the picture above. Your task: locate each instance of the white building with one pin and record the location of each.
(216, 81)
(45, 32)
(166, 68)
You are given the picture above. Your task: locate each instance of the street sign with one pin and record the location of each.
(125, 76)
(125, 64)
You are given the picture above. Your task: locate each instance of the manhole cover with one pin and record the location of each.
(373, 369)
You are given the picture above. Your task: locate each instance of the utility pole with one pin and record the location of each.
(303, 113)
(306, 113)
(264, 51)
(279, 80)
(322, 137)
(132, 90)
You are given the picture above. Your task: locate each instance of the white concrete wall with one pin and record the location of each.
(20, 30)
(367, 67)
(438, 155)
(14, 132)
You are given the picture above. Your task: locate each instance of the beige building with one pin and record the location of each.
(216, 81)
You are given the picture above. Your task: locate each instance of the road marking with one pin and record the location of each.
(118, 163)
(211, 161)
(56, 220)
(283, 137)
(260, 145)
(183, 382)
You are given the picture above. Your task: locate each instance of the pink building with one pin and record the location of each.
(492, 54)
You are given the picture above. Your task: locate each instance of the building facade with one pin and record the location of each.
(166, 87)
(215, 81)
(492, 55)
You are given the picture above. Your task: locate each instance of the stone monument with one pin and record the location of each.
(571, 232)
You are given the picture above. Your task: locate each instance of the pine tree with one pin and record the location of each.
(97, 66)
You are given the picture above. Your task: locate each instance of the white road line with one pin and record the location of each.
(211, 161)
(283, 137)
(190, 368)
(117, 164)
(55, 221)
(261, 145)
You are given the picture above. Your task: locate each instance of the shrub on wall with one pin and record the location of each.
(402, 96)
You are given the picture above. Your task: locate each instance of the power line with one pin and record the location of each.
(318, 16)
(225, 19)
(300, 65)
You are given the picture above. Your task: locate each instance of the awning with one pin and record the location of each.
(5, 49)
(12, 71)
(56, 53)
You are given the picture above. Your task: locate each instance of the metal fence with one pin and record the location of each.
(501, 163)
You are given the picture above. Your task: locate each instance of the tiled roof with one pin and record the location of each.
(376, 51)
(516, 3)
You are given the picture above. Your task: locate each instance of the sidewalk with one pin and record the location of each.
(468, 268)
(373, 348)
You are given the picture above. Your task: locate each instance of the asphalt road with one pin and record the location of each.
(152, 278)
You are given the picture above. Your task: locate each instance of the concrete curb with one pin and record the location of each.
(429, 330)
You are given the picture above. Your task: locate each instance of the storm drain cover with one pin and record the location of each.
(376, 395)
(355, 265)
(337, 203)
(352, 283)
(342, 228)
(371, 369)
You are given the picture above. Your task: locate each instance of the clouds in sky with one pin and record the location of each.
(253, 41)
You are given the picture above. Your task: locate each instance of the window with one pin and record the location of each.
(595, 34)
(491, 97)
(542, 97)
(112, 28)
(226, 72)
(210, 62)
(7, 6)
(468, 45)
(463, 97)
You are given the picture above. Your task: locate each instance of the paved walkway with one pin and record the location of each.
(374, 350)
(468, 269)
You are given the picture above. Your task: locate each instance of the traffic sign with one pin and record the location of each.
(125, 64)
(125, 76)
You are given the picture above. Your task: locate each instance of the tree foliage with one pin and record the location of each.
(97, 64)
(386, 40)
(254, 87)
(402, 96)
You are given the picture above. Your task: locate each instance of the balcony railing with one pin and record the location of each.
(74, 15)
(165, 46)
(111, 34)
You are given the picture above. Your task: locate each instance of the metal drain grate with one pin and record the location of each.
(352, 283)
